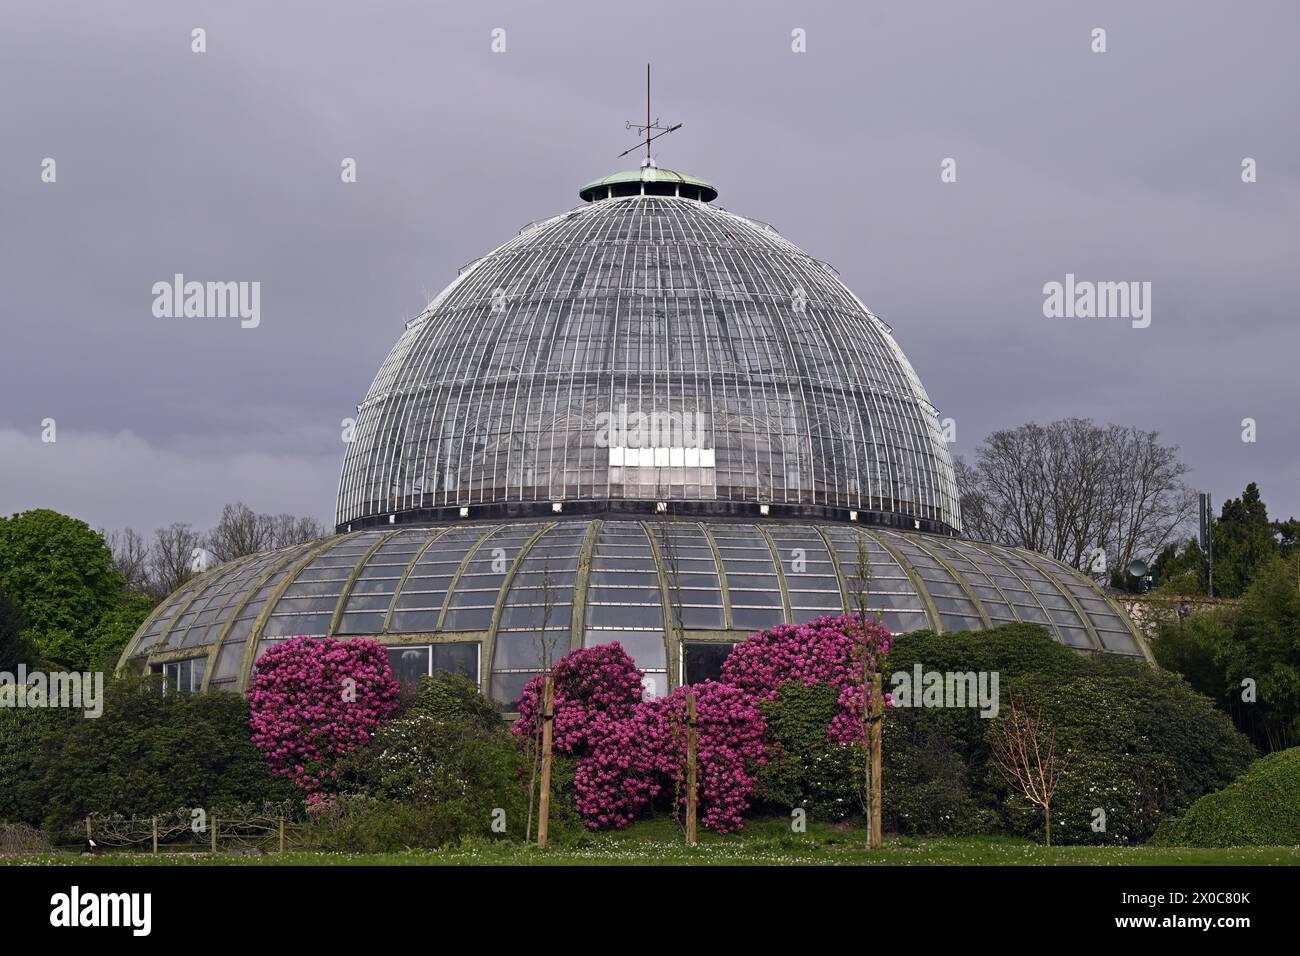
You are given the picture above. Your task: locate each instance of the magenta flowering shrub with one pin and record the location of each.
(827, 650)
(633, 752)
(313, 700)
(592, 687)
(644, 755)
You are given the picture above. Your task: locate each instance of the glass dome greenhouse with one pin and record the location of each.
(647, 420)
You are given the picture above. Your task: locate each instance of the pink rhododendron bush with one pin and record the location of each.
(313, 700)
(644, 755)
(633, 752)
(593, 686)
(829, 650)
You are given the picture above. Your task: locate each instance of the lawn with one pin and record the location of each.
(765, 843)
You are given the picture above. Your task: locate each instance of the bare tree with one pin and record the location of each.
(545, 644)
(1151, 504)
(171, 558)
(664, 534)
(131, 557)
(160, 568)
(1066, 488)
(240, 531)
(1023, 748)
(978, 517)
(286, 529)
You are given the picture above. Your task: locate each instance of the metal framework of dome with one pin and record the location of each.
(647, 420)
(645, 348)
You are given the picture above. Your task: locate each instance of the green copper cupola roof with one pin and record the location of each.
(649, 180)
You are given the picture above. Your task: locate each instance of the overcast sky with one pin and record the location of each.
(1116, 166)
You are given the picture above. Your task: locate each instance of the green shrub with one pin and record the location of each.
(1257, 640)
(805, 768)
(934, 770)
(454, 697)
(1011, 649)
(1143, 745)
(448, 762)
(1259, 809)
(935, 778)
(145, 754)
(29, 739)
(362, 823)
(926, 787)
(951, 741)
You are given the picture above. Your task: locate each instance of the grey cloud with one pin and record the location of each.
(225, 166)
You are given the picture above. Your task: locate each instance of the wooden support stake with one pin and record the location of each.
(544, 804)
(214, 834)
(692, 795)
(877, 713)
(282, 836)
(155, 834)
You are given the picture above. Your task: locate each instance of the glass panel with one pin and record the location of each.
(409, 664)
(645, 647)
(229, 658)
(506, 688)
(704, 660)
(756, 618)
(460, 657)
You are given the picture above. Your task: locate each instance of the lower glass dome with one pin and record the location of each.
(492, 599)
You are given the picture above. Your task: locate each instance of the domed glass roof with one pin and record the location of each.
(648, 348)
(646, 420)
(488, 597)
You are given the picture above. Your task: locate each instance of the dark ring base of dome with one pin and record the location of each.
(636, 508)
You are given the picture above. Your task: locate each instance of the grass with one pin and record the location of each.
(763, 843)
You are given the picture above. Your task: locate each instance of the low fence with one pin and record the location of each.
(196, 831)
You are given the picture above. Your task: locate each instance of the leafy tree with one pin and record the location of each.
(1244, 540)
(118, 624)
(62, 577)
(1288, 534)
(1180, 571)
(13, 648)
(1247, 658)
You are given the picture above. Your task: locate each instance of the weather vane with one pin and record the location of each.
(651, 130)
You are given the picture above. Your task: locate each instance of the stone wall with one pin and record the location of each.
(1149, 610)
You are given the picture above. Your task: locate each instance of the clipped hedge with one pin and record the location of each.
(1261, 808)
